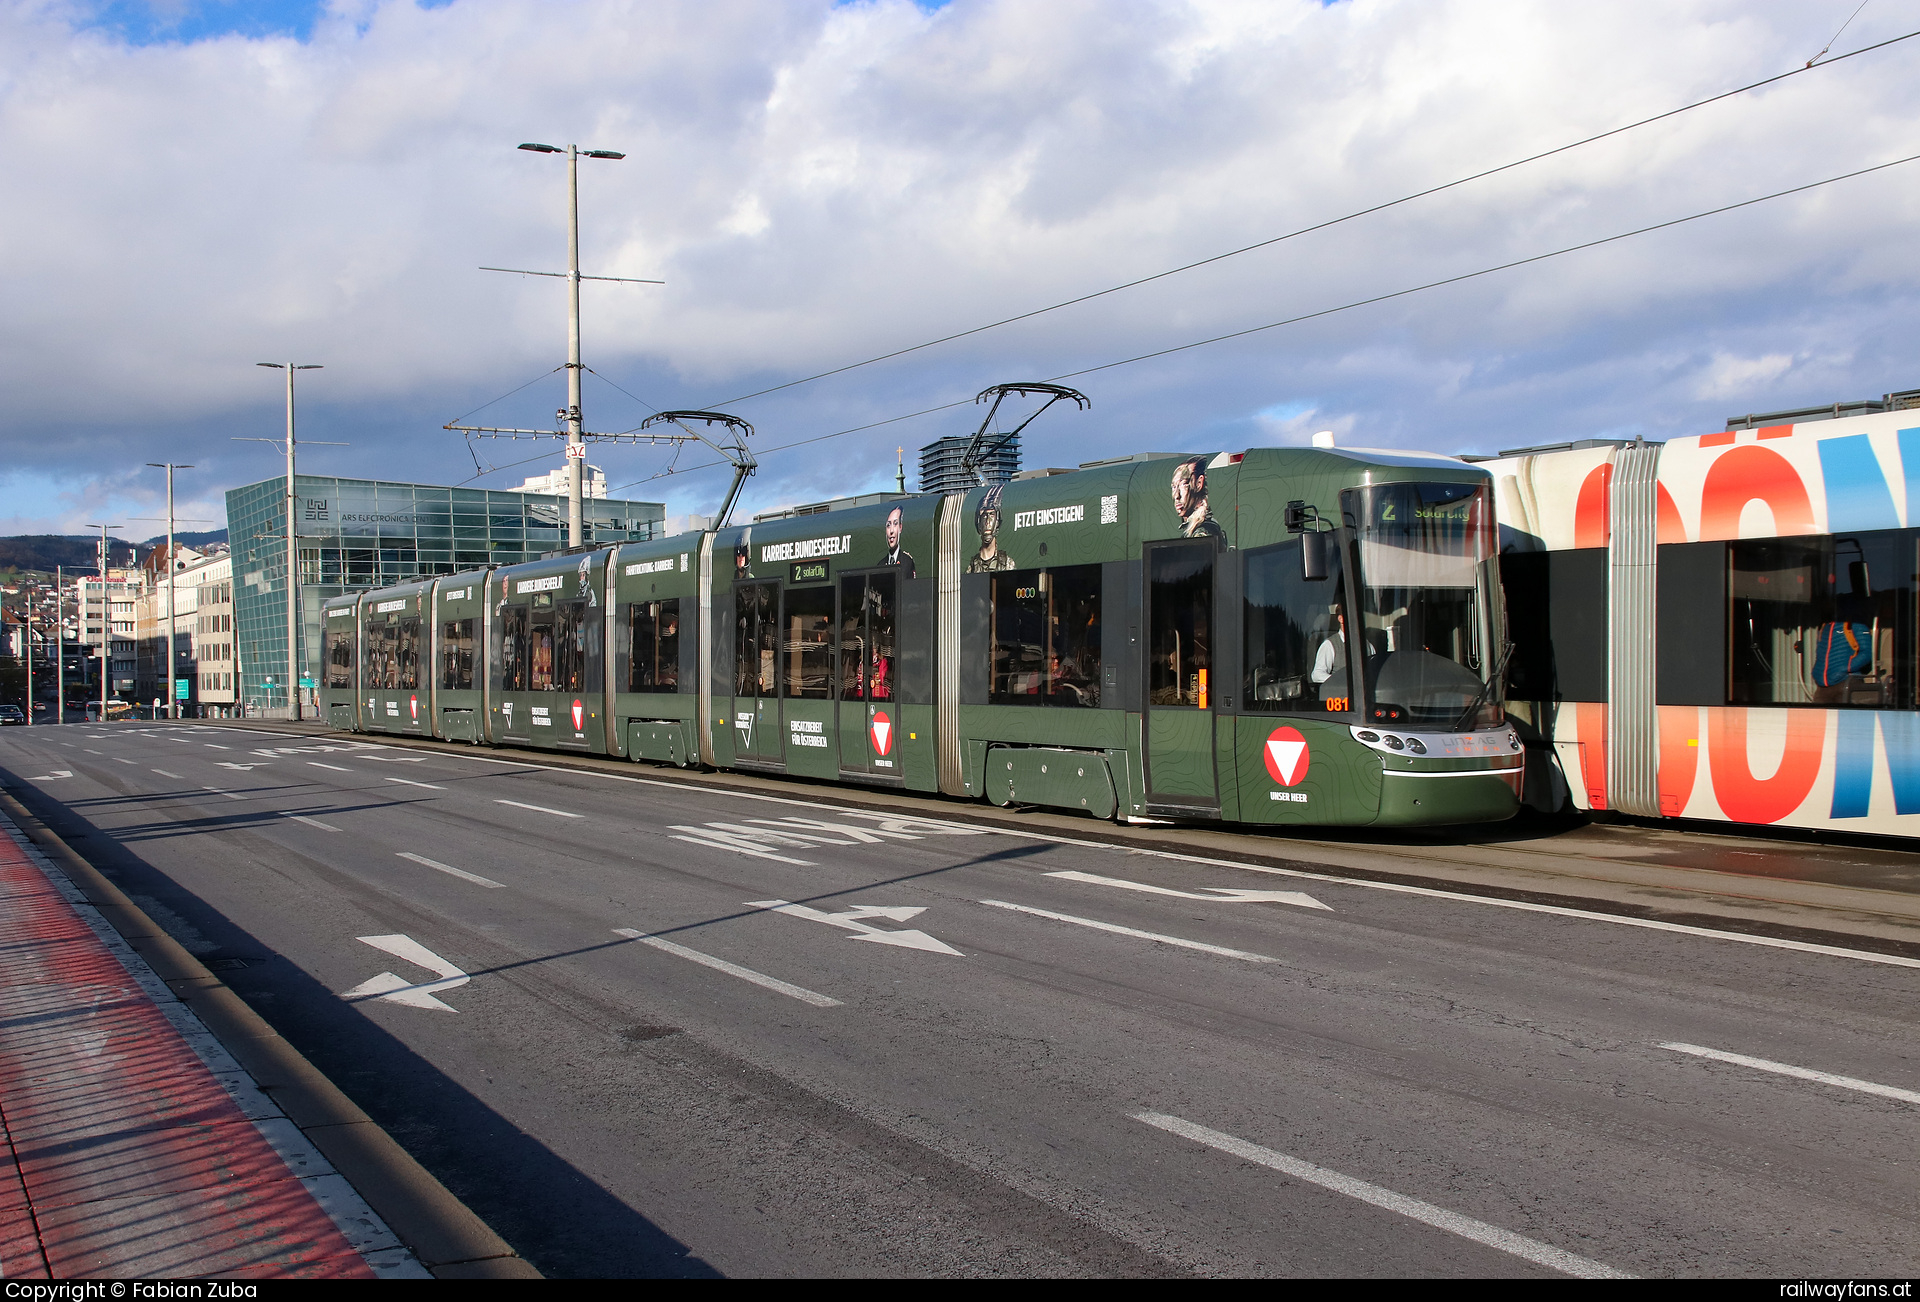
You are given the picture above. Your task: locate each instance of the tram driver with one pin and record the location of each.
(1331, 659)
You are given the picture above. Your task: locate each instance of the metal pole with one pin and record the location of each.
(576, 447)
(59, 652)
(293, 568)
(106, 627)
(26, 631)
(171, 594)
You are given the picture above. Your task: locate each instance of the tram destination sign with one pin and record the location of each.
(807, 572)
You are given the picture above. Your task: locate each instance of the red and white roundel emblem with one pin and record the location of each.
(1286, 756)
(413, 706)
(882, 730)
(578, 712)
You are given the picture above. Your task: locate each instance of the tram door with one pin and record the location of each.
(869, 663)
(1181, 636)
(756, 644)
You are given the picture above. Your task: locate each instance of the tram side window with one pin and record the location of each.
(382, 669)
(654, 665)
(807, 651)
(340, 656)
(456, 655)
(516, 648)
(407, 654)
(1822, 621)
(756, 635)
(540, 644)
(867, 653)
(1295, 635)
(1180, 632)
(1046, 637)
(570, 646)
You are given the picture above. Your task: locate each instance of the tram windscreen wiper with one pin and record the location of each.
(1480, 697)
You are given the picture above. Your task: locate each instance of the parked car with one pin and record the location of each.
(11, 715)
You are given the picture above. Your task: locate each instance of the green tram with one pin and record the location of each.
(1280, 636)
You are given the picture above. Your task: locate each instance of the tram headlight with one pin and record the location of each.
(1417, 746)
(1394, 743)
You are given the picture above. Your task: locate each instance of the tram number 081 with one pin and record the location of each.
(1338, 704)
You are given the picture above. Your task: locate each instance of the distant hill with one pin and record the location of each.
(82, 551)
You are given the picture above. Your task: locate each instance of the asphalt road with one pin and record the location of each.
(646, 1029)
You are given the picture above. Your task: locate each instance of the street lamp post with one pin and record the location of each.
(59, 649)
(106, 620)
(576, 445)
(293, 545)
(172, 593)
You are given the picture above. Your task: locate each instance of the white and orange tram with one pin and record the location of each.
(1722, 627)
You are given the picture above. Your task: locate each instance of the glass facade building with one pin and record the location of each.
(356, 534)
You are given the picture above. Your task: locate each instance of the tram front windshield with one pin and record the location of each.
(1425, 559)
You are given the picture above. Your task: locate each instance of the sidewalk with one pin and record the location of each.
(131, 1144)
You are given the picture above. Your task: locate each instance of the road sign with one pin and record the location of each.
(180, 689)
(306, 682)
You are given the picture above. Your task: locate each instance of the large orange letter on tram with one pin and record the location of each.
(1747, 474)
(1747, 799)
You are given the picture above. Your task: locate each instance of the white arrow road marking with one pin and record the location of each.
(310, 822)
(461, 873)
(396, 990)
(761, 979)
(1801, 1073)
(229, 764)
(1119, 930)
(48, 777)
(1230, 894)
(850, 921)
(538, 809)
(1518, 1245)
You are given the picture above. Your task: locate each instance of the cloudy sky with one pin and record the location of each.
(195, 186)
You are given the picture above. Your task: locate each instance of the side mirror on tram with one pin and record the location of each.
(1315, 550)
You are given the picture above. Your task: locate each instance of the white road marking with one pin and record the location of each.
(801, 993)
(396, 759)
(118, 760)
(1119, 930)
(1518, 1245)
(1802, 1073)
(310, 822)
(737, 848)
(538, 809)
(1228, 894)
(397, 990)
(240, 768)
(210, 746)
(411, 783)
(175, 776)
(335, 767)
(49, 777)
(461, 873)
(90, 750)
(940, 827)
(851, 920)
(218, 792)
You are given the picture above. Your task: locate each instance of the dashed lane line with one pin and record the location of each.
(1800, 1073)
(335, 767)
(451, 871)
(760, 979)
(1119, 930)
(409, 782)
(310, 822)
(175, 776)
(538, 809)
(228, 794)
(1414, 1209)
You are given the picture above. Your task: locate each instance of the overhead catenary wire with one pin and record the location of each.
(1332, 221)
(1836, 36)
(1357, 303)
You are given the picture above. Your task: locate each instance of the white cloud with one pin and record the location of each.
(819, 183)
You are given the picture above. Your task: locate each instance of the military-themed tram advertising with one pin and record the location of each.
(1277, 636)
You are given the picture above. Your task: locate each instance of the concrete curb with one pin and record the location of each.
(449, 1240)
(1084, 829)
